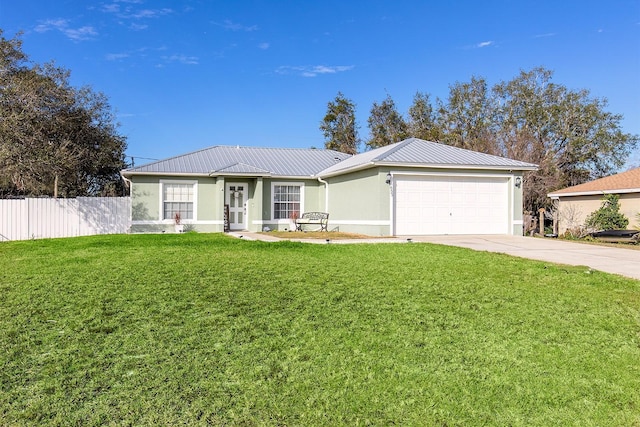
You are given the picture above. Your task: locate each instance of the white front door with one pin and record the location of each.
(236, 199)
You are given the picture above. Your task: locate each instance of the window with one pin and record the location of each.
(177, 198)
(286, 200)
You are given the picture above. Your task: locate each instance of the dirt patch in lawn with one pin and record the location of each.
(332, 235)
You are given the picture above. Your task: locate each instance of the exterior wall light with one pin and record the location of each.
(388, 180)
(518, 182)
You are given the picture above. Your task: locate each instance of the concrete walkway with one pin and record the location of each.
(625, 262)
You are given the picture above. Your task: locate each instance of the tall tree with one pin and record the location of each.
(422, 119)
(339, 126)
(386, 125)
(467, 117)
(54, 139)
(568, 133)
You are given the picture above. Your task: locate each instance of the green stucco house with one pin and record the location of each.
(413, 187)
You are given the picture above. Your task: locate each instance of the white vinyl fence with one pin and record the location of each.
(24, 219)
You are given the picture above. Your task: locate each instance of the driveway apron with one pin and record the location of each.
(625, 262)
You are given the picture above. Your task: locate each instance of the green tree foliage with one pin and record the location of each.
(339, 126)
(54, 139)
(386, 125)
(608, 216)
(422, 119)
(467, 117)
(568, 133)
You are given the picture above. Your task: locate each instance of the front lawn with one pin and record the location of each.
(200, 329)
(331, 235)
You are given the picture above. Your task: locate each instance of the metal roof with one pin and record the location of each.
(221, 160)
(295, 162)
(421, 153)
(240, 168)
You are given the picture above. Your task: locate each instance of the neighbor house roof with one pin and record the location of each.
(256, 161)
(291, 162)
(625, 182)
(418, 152)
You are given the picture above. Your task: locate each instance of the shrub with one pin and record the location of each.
(608, 217)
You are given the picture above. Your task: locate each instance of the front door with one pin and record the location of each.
(236, 198)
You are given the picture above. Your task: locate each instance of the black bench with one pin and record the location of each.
(313, 218)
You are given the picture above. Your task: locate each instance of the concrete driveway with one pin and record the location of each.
(625, 262)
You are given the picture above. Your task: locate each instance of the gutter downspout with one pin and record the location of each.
(129, 184)
(326, 193)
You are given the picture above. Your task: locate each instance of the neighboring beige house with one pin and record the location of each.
(577, 202)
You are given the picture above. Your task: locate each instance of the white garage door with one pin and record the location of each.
(429, 204)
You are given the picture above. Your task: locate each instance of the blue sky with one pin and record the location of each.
(191, 74)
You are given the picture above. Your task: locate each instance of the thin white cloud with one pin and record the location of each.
(263, 46)
(138, 27)
(82, 33)
(484, 44)
(149, 13)
(116, 56)
(234, 26)
(313, 70)
(129, 12)
(111, 8)
(152, 54)
(51, 24)
(182, 59)
(86, 32)
(540, 36)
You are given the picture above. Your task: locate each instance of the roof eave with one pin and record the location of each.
(430, 166)
(459, 166)
(240, 174)
(593, 193)
(310, 177)
(128, 173)
(347, 170)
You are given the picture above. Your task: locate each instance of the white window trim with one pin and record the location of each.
(195, 200)
(286, 220)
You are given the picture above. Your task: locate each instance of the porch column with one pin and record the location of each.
(219, 202)
(256, 220)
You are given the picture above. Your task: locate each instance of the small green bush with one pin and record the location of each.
(608, 217)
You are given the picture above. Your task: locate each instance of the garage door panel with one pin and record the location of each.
(427, 204)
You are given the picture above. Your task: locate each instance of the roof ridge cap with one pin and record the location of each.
(251, 166)
(389, 151)
(230, 165)
(319, 150)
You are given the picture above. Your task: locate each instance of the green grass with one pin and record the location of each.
(201, 329)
